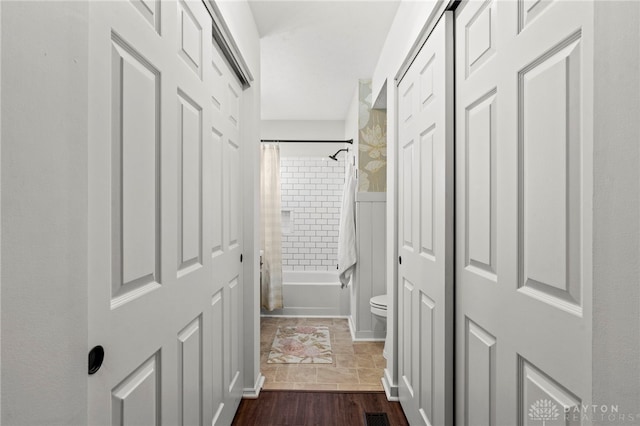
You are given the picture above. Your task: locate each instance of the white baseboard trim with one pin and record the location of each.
(292, 311)
(352, 328)
(390, 390)
(363, 336)
(253, 393)
(302, 316)
(367, 339)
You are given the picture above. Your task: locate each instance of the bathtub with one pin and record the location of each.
(312, 293)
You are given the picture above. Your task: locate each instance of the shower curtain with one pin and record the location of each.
(271, 229)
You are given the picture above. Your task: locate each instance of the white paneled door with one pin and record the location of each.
(524, 105)
(164, 233)
(425, 194)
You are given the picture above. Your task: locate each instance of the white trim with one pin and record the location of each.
(368, 339)
(362, 336)
(390, 390)
(430, 24)
(304, 312)
(222, 35)
(0, 220)
(303, 316)
(352, 327)
(254, 392)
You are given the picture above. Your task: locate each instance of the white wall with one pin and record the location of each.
(369, 277)
(239, 19)
(0, 215)
(616, 209)
(44, 212)
(302, 129)
(407, 26)
(351, 120)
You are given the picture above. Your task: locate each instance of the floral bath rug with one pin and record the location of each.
(301, 344)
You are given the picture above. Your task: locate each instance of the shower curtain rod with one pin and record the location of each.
(350, 141)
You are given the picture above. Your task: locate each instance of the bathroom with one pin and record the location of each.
(314, 161)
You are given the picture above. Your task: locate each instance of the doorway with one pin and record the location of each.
(306, 343)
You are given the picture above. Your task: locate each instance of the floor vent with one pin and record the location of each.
(376, 419)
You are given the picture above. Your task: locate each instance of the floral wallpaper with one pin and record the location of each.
(372, 143)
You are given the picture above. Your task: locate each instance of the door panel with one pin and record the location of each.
(549, 92)
(233, 178)
(407, 196)
(426, 226)
(150, 11)
(135, 172)
(136, 400)
(523, 102)
(190, 362)
(408, 358)
(480, 361)
(190, 37)
(166, 285)
(190, 185)
(215, 162)
(233, 368)
(427, 203)
(427, 348)
(480, 147)
(217, 337)
(541, 392)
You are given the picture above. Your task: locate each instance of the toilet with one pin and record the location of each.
(379, 309)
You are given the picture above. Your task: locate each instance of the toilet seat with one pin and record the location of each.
(379, 309)
(379, 301)
(379, 305)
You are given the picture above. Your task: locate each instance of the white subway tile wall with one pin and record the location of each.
(312, 191)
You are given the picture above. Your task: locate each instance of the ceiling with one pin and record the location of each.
(313, 53)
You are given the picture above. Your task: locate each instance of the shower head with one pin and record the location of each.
(334, 157)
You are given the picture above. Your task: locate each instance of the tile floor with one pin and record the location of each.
(356, 365)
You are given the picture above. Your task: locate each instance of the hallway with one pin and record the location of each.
(357, 366)
(286, 408)
(493, 153)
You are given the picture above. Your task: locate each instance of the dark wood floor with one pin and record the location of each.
(316, 408)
